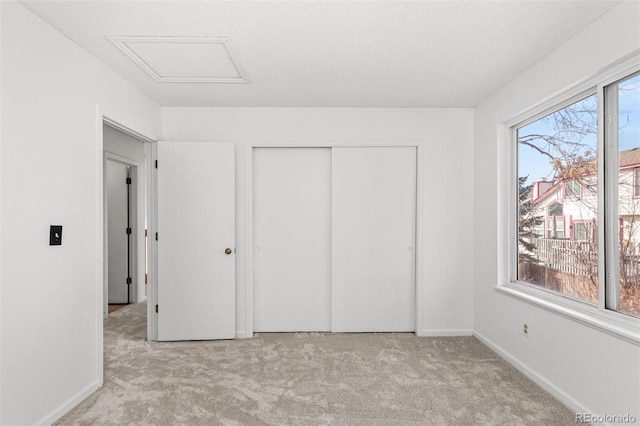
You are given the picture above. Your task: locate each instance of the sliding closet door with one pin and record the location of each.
(292, 239)
(373, 255)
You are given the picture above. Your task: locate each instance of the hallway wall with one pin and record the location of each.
(51, 168)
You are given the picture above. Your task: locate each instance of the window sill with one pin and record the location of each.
(618, 325)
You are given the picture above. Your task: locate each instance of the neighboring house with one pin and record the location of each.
(568, 208)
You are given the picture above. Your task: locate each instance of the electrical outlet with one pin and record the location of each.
(525, 330)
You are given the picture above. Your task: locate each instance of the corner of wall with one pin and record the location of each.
(534, 376)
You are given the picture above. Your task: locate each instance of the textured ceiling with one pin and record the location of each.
(330, 53)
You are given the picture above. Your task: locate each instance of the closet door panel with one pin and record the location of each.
(373, 239)
(292, 239)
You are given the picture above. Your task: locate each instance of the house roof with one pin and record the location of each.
(626, 159)
(630, 157)
(556, 185)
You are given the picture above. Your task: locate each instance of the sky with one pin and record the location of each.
(535, 165)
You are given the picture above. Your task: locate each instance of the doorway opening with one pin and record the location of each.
(120, 207)
(125, 219)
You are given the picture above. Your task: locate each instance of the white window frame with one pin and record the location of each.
(599, 316)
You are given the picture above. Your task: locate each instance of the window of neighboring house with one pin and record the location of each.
(582, 231)
(555, 209)
(555, 227)
(538, 232)
(570, 143)
(573, 189)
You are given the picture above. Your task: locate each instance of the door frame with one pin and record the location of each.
(419, 145)
(145, 196)
(102, 119)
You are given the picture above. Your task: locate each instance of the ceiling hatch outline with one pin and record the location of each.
(123, 43)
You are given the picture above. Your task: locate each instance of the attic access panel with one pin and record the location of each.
(184, 59)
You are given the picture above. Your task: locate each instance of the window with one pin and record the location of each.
(622, 104)
(555, 227)
(596, 162)
(582, 231)
(573, 189)
(555, 209)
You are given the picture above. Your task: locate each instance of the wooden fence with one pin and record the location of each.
(575, 285)
(630, 263)
(581, 258)
(575, 257)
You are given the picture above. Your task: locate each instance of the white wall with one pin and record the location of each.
(1, 133)
(586, 368)
(50, 174)
(446, 135)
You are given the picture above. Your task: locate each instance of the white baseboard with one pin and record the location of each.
(536, 377)
(445, 332)
(66, 406)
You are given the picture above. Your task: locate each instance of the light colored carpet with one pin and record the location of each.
(308, 379)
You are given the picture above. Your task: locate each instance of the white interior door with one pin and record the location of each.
(292, 239)
(373, 250)
(117, 239)
(196, 224)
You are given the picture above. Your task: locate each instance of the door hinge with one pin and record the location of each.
(128, 181)
(146, 278)
(156, 236)
(128, 231)
(156, 309)
(156, 164)
(146, 232)
(128, 280)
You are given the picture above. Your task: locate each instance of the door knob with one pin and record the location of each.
(228, 251)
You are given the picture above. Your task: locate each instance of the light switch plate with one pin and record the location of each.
(55, 235)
